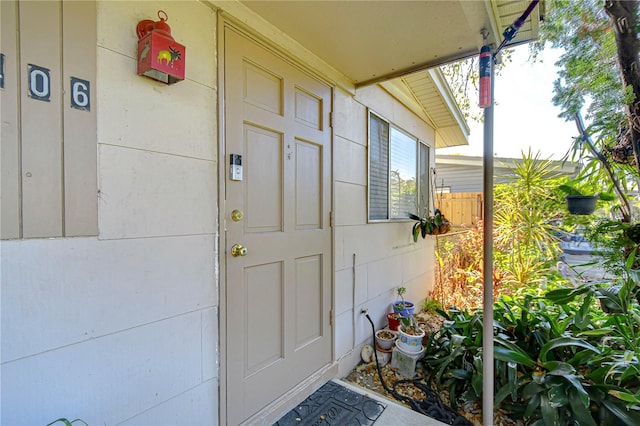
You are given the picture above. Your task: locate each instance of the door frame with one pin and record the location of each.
(286, 402)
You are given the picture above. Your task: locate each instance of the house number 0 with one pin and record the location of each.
(39, 83)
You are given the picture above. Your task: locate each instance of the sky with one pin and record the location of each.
(524, 115)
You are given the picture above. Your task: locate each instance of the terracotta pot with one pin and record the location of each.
(394, 320)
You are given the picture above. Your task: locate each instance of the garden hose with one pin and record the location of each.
(431, 406)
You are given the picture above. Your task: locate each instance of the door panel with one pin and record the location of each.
(278, 296)
(263, 202)
(308, 185)
(263, 330)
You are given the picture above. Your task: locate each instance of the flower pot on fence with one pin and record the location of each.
(581, 204)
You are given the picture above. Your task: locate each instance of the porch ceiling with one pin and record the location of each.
(372, 41)
(400, 43)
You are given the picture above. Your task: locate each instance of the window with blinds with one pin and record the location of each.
(398, 172)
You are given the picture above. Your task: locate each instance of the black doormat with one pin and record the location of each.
(333, 404)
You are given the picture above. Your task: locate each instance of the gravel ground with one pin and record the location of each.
(366, 376)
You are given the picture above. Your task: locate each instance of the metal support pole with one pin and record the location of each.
(487, 325)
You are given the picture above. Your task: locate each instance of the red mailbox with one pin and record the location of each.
(159, 56)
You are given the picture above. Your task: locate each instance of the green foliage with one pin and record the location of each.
(569, 356)
(589, 81)
(429, 225)
(614, 242)
(587, 69)
(431, 306)
(525, 236)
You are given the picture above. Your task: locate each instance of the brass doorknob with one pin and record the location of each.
(237, 215)
(238, 250)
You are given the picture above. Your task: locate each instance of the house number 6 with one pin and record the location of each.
(80, 94)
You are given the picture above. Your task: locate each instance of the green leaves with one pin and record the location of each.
(570, 342)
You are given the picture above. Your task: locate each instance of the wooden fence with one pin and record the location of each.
(461, 208)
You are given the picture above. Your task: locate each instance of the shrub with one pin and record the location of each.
(560, 358)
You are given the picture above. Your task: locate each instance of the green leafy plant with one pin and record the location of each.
(584, 187)
(431, 306)
(526, 243)
(407, 319)
(559, 358)
(429, 225)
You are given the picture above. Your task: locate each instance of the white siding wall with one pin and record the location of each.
(371, 260)
(460, 178)
(123, 328)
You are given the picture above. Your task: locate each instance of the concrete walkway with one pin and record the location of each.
(395, 414)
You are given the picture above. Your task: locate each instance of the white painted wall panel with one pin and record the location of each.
(192, 24)
(343, 285)
(374, 241)
(64, 291)
(210, 349)
(139, 112)
(197, 406)
(349, 118)
(386, 256)
(415, 263)
(350, 162)
(344, 333)
(385, 275)
(146, 194)
(351, 204)
(105, 380)
(378, 308)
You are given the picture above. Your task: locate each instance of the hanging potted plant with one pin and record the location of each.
(582, 197)
(429, 225)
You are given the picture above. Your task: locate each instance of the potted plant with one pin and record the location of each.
(409, 333)
(582, 196)
(410, 336)
(401, 306)
(385, 339)
(429, 225)
(394, 320)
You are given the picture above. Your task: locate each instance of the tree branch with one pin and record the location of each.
(624, 20)
(625, 207)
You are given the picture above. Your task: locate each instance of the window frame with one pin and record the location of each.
(419, 185)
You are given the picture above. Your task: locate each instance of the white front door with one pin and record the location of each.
(278, 295)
